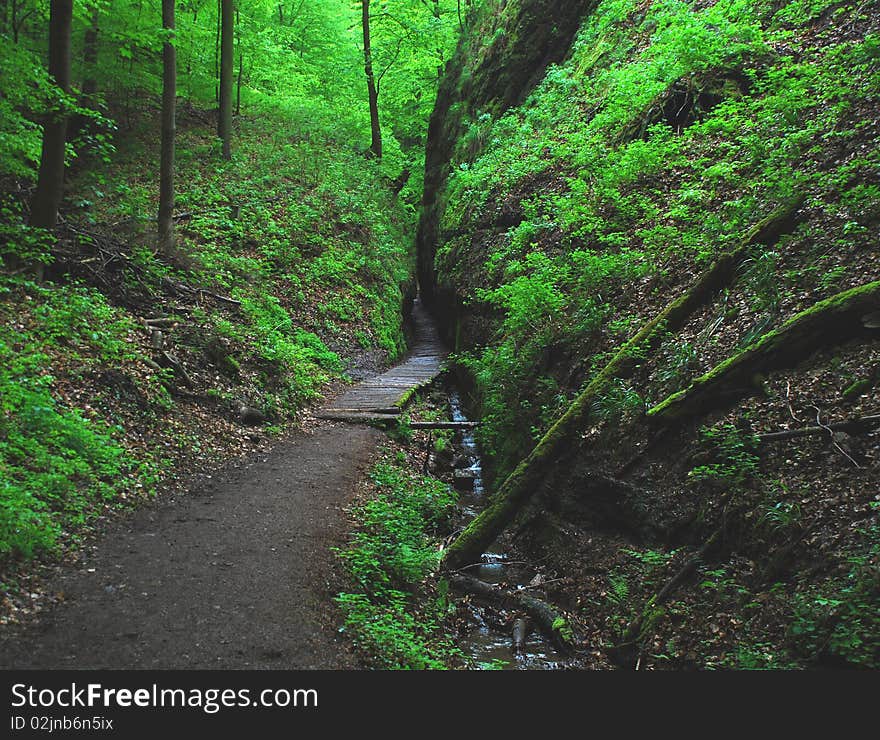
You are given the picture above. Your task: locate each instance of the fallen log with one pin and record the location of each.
(826, 324)
(856, 425)
(648, 616)
(163, 322)
(444, 424)
(548, 619)
(520, 634)
(166, 359)
(527, 477)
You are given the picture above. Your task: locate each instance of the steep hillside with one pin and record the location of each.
(123, 372)
(657, 258)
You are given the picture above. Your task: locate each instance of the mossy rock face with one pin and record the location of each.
(526, 477)
(498, 62)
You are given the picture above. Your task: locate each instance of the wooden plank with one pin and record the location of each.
(444, 424)
(383, 395)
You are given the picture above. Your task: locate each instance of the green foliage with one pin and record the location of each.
(652, 558)
(618, 401)
(720, 583)
(677, 362)
(24, 87)
(662, 138)
(779, 515)
(298, 227)
(547, 303)
(390, 632)
(840, 617)
(563, 628)
(759, 656)
(301, 354)
(619, 589)
(735, 456)
(58, 465)
(389, 557)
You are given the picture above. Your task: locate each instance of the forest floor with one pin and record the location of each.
(237, 573)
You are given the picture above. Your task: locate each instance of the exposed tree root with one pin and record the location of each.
(639, 627)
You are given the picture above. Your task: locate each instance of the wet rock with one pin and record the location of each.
(250, 416)
(460, 462)
(463, 480)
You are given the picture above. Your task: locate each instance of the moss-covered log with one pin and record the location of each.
(828, 323)
(522, 483)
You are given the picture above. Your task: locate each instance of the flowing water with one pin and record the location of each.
(490, 641)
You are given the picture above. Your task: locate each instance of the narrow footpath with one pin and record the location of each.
(235, 574)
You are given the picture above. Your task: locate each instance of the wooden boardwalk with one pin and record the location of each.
(382, 397)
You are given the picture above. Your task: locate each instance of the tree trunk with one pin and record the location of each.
(169, 104)
(240, 68)
(217, 52)
(372, 90)
(528, 476)
(238, 84)
(89, 86)
(50, 185)
(224, 124)
(828, 323)
(90, 59)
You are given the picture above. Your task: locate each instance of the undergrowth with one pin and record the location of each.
(59, 464)
(389, 559)
(313, 257)
(671, 128)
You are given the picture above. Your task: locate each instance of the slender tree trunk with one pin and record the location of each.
(50, 185)
(217, 52)
(240, 64)
(372, 89)
(224, 126)
(238, 84)
(166, 164)
(90, 57)
(89, 86)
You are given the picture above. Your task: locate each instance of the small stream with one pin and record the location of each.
(490, 641)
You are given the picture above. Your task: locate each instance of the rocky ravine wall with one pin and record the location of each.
(626, 251)
(502, 56)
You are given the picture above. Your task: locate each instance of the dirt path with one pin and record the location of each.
(233, 575)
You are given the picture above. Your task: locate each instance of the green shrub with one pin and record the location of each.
(735, 456)
(388, 558)
(840, 617)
